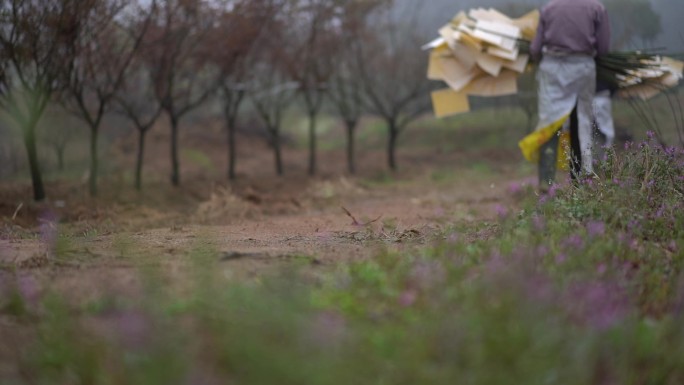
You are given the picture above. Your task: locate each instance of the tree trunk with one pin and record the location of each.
(351, 128)
(92, 180)
(231, 110)
(278, 154)
(175, 174)
(391, 145)
(59, 151)
(232, 156)
(312, 143)
(34, 166)
(140, 159)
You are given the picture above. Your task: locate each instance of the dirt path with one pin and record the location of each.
(251, 232)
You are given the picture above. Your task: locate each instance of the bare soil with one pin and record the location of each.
(258, 222)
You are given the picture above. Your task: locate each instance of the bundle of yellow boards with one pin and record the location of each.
(478, 54)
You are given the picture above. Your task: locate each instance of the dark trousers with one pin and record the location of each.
(575, 149)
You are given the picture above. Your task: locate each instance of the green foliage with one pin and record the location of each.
(198, 158)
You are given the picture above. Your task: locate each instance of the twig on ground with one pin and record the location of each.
(17, 210)
(357, 223)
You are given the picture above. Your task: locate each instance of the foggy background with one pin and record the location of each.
(435, 13)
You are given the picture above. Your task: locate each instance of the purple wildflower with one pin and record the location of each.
(29, 289)
(514, 188)
(672, 246)
(453, 238)
(574, 242)
(561, 258)
(408, 298)
(601, 269)
(5, 285)
(501, 211)
(426, 274)
(133, 328)
(538, 222)
(553, 190)
(597, 304)
(48, 231)
(542, 251)
(596, 229)
(634, 244)
(539, 288)
(327, 329)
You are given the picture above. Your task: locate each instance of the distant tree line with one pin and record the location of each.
(145, 59)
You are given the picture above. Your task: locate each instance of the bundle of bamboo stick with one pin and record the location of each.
(637, 74)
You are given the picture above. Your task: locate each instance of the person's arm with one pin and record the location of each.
(537, 42)
(602, 32)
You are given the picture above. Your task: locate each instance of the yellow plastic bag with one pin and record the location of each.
(531, 144)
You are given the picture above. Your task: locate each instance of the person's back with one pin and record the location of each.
(573, 26)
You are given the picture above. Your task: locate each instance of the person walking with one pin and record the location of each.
(570, 35)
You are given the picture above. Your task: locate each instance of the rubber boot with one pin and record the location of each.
(548, 157)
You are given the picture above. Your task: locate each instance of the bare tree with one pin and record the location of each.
(34, 36)
(272, 91)
(392, 68)
(272, 94)
(180, 56)
(308, 59)
(136, 101)
(345, 87)
(58, 134)
(241, 22)
(103, 52)
(346, 94)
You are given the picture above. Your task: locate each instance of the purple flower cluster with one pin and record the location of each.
(596, 229)
(600, 305)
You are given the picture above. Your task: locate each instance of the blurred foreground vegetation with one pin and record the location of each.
(581, 286)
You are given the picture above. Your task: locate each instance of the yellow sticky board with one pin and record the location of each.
(459, 18)
(469, 40)
(435, 71)
(484, 85)
(489, 15)
(448, 102)
(457, 75)
(489, 64)
(519, 64)
(465, 55)
(531, 144)
(449, 34)
(528, 24)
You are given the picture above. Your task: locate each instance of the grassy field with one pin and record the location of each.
(581, 286)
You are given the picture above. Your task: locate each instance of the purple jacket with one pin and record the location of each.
(572, 26)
